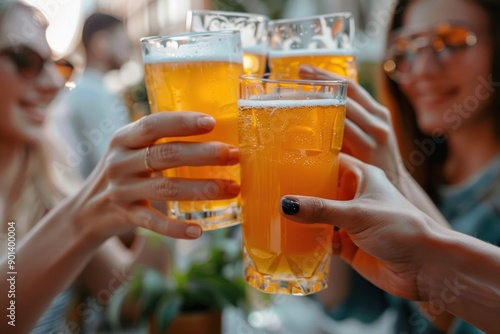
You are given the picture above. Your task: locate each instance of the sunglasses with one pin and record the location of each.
(447, 41)
(30, 64)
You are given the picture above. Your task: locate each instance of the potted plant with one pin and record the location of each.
(194, 296)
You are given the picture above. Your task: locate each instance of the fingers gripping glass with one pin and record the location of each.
(30, 64)
(448, 43)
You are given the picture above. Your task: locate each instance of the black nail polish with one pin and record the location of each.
(290, 206)
(336, 228)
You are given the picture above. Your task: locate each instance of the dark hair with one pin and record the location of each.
(409, 136)
(98, 22)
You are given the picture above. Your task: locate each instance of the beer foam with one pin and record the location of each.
(168, 58)
(260, 49)
(260, 104)
(214, 49)
(310, 52)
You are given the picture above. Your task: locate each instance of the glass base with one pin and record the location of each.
(286, 284)
(208, 219)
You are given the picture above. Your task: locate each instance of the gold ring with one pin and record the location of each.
(146, 160)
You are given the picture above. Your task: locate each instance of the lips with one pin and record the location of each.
(432, 97)
(35, 112)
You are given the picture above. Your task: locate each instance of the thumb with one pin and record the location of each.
(315, 210)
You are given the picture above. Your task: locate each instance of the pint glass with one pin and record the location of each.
(290, 134)
(324, 41)
(198, 72)
(252, 27)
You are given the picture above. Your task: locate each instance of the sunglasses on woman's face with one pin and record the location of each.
(30, 64)
(447, 41)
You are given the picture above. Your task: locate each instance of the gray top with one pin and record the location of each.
(86, 118)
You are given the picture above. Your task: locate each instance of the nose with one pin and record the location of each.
(426, 63)
(50, 79)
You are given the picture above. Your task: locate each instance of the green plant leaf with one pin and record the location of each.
(154, 286)
(113, 311)
(167, 310)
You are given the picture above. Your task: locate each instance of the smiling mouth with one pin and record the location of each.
(433, 98)
(35, 113)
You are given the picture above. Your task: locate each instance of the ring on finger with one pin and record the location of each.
(146, 160)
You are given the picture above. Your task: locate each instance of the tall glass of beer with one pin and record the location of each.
(324, 41)
(290, 135)
(252, 27)
(198, 72)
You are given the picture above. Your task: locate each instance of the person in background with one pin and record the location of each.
(402, 250)
(87, 116)
(52, 242)
(442, 72)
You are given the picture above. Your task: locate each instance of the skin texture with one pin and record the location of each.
(75, 239)
(382, 236)
(439, 95)
(455, 100)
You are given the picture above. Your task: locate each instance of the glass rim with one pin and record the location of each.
(264, 78)
(261, 17)
(187, 35)
(310, 18)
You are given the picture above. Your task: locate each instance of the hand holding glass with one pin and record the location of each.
(198, 72)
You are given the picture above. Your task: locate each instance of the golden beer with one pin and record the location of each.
(287, 147)
(289, 62)
(252, 27)
(325, 41)
(208, 85)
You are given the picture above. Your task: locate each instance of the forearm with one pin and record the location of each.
(463, 279)
(113, 263)
(47, 260)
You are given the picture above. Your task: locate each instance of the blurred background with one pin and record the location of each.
(163, 17)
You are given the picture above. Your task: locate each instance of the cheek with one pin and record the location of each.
(13, 125)
(477, 73)
(11, 91)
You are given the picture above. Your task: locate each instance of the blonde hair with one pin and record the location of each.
(35, 195)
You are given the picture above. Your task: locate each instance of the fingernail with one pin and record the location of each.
(206, 122)
(233, 188)
(193, 231)
(233, 156)
(290, 206)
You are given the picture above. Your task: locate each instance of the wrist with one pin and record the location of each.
(438, 267)
(85, 229)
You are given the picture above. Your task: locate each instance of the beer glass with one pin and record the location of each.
(252, 27)
(324, 41)
(198, 72)
(290, 135)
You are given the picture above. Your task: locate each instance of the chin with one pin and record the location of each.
(31, 135)
(432, 126)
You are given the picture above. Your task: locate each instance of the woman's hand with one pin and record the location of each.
(369, 134)
(115, 197)
(382, 234)
(403, 251)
